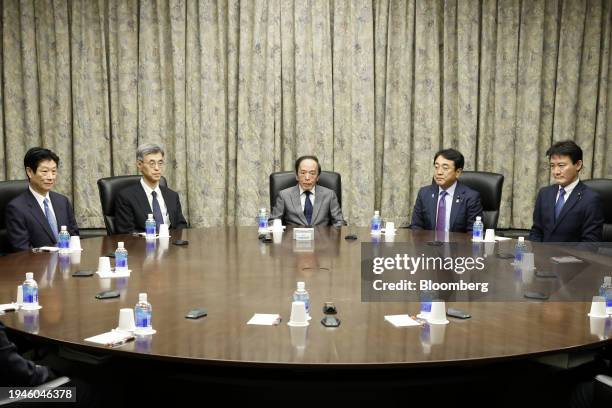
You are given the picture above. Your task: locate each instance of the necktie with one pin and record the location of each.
(560, 202)
(308, 207)
(51, 219)
(157, 214)
(441, 221)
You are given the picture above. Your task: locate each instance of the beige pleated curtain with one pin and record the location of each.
(236, 90)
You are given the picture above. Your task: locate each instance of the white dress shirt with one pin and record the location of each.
(41, 203)
(160, 199)
(568, 190)
(303, 197)
(449, 204)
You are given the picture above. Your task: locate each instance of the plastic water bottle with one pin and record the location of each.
(121, 257)
(150, 226)
(262, 221)
(143, 311)
(477, 229)
(376, 223)
(301, 295)
(426, 298)
(606, 292)
(30, 291)
(519, 249)
(64, 240)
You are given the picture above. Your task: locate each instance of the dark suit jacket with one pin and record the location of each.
(16, 370)
(27, 226)
(580, 220)
(466, 207)
(132, 208)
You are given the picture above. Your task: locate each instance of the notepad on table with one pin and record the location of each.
(566, 259)
(264, 319)
(111, 338)
(401, 320)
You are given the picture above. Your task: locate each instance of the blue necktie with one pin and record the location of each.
(308, 207)
(441, 221)
(560, 203)
(51, 219)
(157, 214)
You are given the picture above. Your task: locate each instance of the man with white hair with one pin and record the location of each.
(136, 202)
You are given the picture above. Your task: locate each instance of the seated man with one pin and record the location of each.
(16, 370)
(34, 218)
(447, 205)
(567, 211)
(307, 204)
(133, 204)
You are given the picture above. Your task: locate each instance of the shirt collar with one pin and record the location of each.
(570, 187)
(148, 190)
(312, 191)
(40, 198)
(450, 190)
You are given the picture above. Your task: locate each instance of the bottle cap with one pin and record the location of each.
(521, 239)
(479, 218)
(29, 275)
(120, 245)
(301, 285)
(150, 216)
(63, 228)
(142, 297)
(376, 212)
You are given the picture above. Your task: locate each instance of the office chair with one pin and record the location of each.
(489, 185)
(603, 187)
(602, 391)
(109, 187)
(285, 179)
(8, 191)
(58, 382)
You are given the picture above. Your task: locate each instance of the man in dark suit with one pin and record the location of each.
(447, 205)
(567, 211)
(135, 203)
(306, 203)
(16, 370)
(34, 218)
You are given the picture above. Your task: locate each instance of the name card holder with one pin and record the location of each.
(303, 234)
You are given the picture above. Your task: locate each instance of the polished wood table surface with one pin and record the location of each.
(234, 275)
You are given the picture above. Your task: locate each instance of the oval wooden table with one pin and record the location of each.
(234, 275)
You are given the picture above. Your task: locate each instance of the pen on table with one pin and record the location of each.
(121, 342)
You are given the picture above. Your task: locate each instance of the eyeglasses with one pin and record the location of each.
(304, 173)
(152, 163)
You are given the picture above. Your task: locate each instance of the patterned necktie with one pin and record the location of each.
(441, 221)
(51, 219)
(308, 207)
(560, 203)
(157, 214)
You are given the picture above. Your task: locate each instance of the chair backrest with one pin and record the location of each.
(603, 187)
(285, 179)
(8, 191)
(489, 185)
(109, 187)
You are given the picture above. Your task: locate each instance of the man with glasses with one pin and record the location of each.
(34, 218)
(446, 205)
(567, 211)
(307, 204)
(135, 203)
